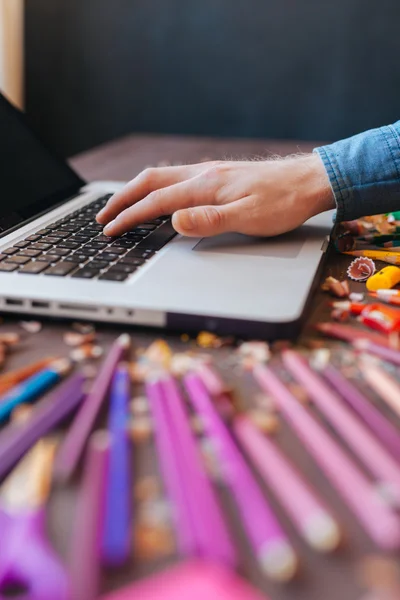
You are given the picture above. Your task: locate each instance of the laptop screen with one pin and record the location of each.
(32, 179)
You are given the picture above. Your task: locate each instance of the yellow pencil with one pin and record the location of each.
(392, 258)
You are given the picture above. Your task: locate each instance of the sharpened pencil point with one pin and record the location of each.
(279, 561)
(323, 533)
(124, 340)
(61, 366)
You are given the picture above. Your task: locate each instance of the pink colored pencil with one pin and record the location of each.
(172, 475)
(86, 539)
(74, 443)
(382, 383)
(211, 530)
(363, 443)
(270, 544)
(377, 518)
(388, 354)
(349, 333)
(308, 513)
(384, 430)
(211, 379)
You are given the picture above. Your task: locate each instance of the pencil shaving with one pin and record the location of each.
(252, 353)
(83, 328)
(74, 339)
(361, 269)
(140, 429)
(337, 288)
(31, 326)
(9, 339)
(86, 352)
(265, 422)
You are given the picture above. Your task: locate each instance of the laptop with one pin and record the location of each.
(55, 260)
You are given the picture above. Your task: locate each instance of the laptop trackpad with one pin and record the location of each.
(283, 246)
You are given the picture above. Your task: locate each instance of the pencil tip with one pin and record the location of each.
(279, 561)
(124, 340)
(61, 366)
(323, 533)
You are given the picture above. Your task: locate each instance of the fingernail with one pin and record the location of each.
(187, 219)
(100, 214)
(109, 227)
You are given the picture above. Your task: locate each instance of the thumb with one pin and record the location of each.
(203, 221)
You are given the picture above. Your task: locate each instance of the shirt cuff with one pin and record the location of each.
(364, 172)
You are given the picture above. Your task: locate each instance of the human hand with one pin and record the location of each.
(261, 198)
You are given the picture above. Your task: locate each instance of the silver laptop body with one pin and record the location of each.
(230, 284)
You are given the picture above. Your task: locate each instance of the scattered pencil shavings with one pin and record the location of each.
(206, 339)
(153, 534)
(141, 429)
(356, 297)
(83, 328)
(139, 406)
(337, 288)
(299, 392)
(381, 576)
(31, 326)
(86, 352)
(252, 353)
(9, 339)
(159, 353)
(267, 423)
(147, 488)
(74, 339)
(342, 316)
(182, 363)
(361, 268)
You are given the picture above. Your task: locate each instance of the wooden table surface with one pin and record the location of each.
(321, 578)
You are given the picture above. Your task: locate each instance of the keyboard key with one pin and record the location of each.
(22, 244)
(61, 234)
(3, 257)
(29, 252)
(123, 268)
(33, 238)
(40, 246)
(89, 232)
(108, 256)
(34, 267)
(86, 273)
(77, 258)
(69, 245)
(137, 253)
(96, 245)
(61, 269)
(88, 251)
(114, 250)
(8, 267)
(79, 239)
(125, 243)
(18, 260)
(60, 251)
(69, 227)
(10, 251)
(114, 276)
(43, 232)
(50, 258)
(158, 238)
(97, 264)
(148, 226)
(104, 238)
(50, 240)
(140, 232)
(136, 262)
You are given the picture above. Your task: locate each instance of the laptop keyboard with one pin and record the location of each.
(75, 246)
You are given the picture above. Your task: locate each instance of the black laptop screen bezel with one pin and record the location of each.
(30, 211)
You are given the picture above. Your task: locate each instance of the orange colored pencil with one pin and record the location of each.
(9, 380)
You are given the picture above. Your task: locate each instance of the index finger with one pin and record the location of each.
(141, 186)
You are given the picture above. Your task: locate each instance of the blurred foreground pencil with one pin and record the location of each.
(9, 380)
(74, 443)
(15, 439)
(88, 522)
(351, 334)
(35, 386)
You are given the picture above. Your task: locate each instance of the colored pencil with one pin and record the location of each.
(377, 518)
(75, 441)
(308, 513)
(116, 542)
(12, 378)
(213, 537)
(386, 293)
(382, 383)
(348, 333)
(271, 545)
(33, 387)
(392, 258)
(211, 380)
(384, 430)
(171, 472)
(392, 299)
(363, 443)
(88, 521)
(388, 354)
(15, 440)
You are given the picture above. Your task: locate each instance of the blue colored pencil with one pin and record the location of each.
(116, 543)
(32, 388)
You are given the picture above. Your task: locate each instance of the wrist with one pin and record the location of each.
(314, 187)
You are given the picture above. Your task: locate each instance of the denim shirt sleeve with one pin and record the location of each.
(364, 172)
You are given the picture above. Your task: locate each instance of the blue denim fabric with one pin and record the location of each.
(364, 172)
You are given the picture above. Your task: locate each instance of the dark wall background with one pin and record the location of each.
(305, 69)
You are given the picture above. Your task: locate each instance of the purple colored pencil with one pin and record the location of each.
(74, 443)
(376, 421)
(117, 538)
(212, 534)
(86, 539)
(388, 354)
(175, 486)
(270, 544)
(17, 439)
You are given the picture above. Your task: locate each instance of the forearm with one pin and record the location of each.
(364, 172)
